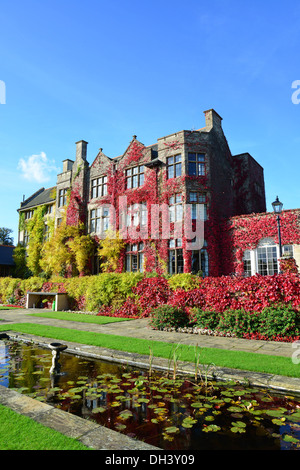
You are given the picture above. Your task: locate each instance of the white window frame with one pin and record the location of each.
(264, 243)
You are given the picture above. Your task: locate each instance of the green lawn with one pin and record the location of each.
(18, 432)
(233, 359)
(80, 317)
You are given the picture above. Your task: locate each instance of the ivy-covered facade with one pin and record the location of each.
(144, 195)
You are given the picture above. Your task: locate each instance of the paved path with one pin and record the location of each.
(141, 329)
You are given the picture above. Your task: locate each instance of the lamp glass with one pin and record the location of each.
(277, 206)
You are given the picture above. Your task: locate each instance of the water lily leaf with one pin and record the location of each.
(235, 409)
(75, 390)
(120, 426)
(197, 405)
(278, 422)
(239, 424)
(171, 430)
(275, 413)
(209, 418)
(125, 414)
(295, 417)
(288, 438)
(99, 409)
(187, 425)
(211, 428)
(236, 429)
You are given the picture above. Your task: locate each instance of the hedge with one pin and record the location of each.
(135, 295)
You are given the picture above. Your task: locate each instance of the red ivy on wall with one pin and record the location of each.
(226, 240)
(244, 233)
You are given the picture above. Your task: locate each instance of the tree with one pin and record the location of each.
(5, 238)
(109, 251)
(20, 269)
(35, 227)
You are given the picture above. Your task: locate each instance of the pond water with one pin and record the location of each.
(172, 414)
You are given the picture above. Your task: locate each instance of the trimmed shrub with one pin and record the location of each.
(238, 322)
(279, 322)
(167, 316)
(204, 318)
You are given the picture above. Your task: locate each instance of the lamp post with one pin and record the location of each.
(277, 207)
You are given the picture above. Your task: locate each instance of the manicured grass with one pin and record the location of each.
(233, 359)
(80, 317)
(18, 432)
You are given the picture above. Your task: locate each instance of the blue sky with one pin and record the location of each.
(104, 71)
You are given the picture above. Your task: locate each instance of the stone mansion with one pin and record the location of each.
(190, 168)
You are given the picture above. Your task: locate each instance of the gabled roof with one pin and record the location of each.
(40, 197)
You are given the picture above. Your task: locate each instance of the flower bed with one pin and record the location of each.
(228, 304)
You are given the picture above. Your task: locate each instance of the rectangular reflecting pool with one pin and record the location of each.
(178, 413)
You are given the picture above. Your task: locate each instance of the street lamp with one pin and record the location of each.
(277, 207)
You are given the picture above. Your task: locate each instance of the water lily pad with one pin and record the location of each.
(288, 438)
(209, 418)
(211, 428)
(125, 414)
(120, 426)
(99, 409)
(171, 430)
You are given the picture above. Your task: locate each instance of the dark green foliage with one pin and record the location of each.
(167, 316)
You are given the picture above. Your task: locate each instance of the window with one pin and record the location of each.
(196, 163)
(26, 237)
(49, 209)
(267, 263)
(264, 260)
(200, 260)
(46, 233)
(135, 177)
(288, 251)
(134, 260)
(137, 215)
(176, 262)
(28, 214)
(62, 197)
(99, 187)
(247, 263)
(174, 166)
(175, 207)
(198, 198)
(99, 220)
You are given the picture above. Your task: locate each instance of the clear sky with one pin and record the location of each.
(103, 71)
